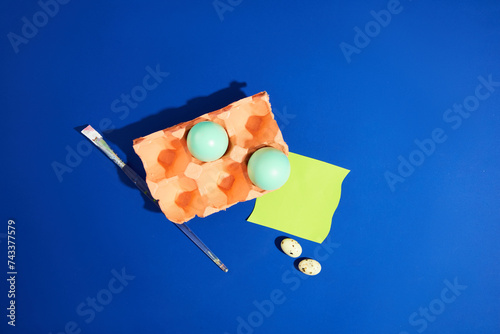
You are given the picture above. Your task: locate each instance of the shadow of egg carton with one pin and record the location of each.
(187, 187)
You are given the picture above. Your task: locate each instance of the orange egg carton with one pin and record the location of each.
(187, 187)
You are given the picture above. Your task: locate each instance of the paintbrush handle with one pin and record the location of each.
(138, 181)
(142, 185)
(98, 141)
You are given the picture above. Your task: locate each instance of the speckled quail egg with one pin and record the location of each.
(309, 267)
(291, 247)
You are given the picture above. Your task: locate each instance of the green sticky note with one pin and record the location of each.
(305, 205)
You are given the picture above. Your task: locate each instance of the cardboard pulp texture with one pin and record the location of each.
(186, 187)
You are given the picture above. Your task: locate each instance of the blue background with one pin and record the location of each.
(392, 253)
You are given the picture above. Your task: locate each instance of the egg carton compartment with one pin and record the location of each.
(187, 187)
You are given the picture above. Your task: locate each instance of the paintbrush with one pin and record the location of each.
(98, 141)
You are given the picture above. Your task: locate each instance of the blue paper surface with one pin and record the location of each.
(405, 94)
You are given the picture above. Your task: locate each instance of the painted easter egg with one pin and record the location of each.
(207, 141)
(268, 168)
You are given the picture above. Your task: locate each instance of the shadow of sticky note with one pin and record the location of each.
(305, 205)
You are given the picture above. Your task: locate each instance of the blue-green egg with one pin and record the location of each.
(268, 168)
(207, 141)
